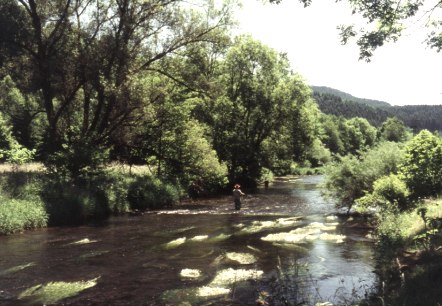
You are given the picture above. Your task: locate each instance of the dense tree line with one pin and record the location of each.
(335, 105)
(162, 83)
(417, 117)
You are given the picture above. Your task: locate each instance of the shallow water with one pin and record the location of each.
(200, 253)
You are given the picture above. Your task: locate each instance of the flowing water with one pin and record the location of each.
(284, 247)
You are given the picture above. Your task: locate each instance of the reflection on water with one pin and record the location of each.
(283, 246)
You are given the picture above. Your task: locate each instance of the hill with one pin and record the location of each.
(346, 96)
(417, 117)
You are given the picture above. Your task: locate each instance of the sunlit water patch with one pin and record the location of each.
(54, 292)
(83, 241)
(242, 258)
(221, 285)
(16, 268)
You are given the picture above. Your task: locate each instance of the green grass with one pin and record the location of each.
(19, 215)
(407, 225)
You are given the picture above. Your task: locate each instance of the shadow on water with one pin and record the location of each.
(284, 247)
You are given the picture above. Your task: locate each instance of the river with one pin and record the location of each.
(285, 247)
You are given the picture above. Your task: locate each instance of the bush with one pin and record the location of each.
(389, 192)
(352, 177)
(147, 192)
(19, 215)
(70, 204)
(422, 166)
(115, 186)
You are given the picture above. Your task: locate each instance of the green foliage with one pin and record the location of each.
(332, 104)
(77, 159)
(331, 135)
(6, 138)
(352, 177)
(422, 165)
(21, 112)
(18, 155)
(10, 150)
(19, 215)
(263, 104)
(115, 186)
(305, 168)
(360, 135)
(415, 117)
(89, 81)
(188, 155)
(71, 204)
(147, 192)
(318, 154)
(394, 129)
(389, 193)
(398, 229)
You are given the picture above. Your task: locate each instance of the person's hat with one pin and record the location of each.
(237, 186)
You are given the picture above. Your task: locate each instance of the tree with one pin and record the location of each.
(21, 112)
(386, 20)
(360, 135)
(84, 59)
(353, 177)
(6, 138)
(394, 129)
(260, 97)
(330, 134)
(422, 165)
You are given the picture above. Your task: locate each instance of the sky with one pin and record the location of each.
(403, 73)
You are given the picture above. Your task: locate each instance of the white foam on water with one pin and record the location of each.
(220, 237)
(307, 233)
(175, 243)
(332, 237)
(190, 273)
(212, 291)
(258, 226)
(200, 238)
(230, 276)
(83, 241)
(242, 258)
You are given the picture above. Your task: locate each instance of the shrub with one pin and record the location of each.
(389, 192)
(115, 186)
(422, 166)
(70, 204)
(147, 192)
(352, 177)
(18, 215)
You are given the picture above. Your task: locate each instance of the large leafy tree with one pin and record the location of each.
(360, 135)
(84, 58)
(386, 21)
(422, 165)
(260, 97)
(394, 129)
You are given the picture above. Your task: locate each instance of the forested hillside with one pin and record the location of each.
(348, 97)
(338, 103)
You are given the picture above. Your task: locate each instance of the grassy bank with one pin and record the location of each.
(31, 198)
(409, 255)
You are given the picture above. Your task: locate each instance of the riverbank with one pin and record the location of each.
(409, 256)
(32, 198)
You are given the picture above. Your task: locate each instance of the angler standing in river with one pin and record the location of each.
(237, 193)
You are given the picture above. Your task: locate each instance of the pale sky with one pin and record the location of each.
(403, 73)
